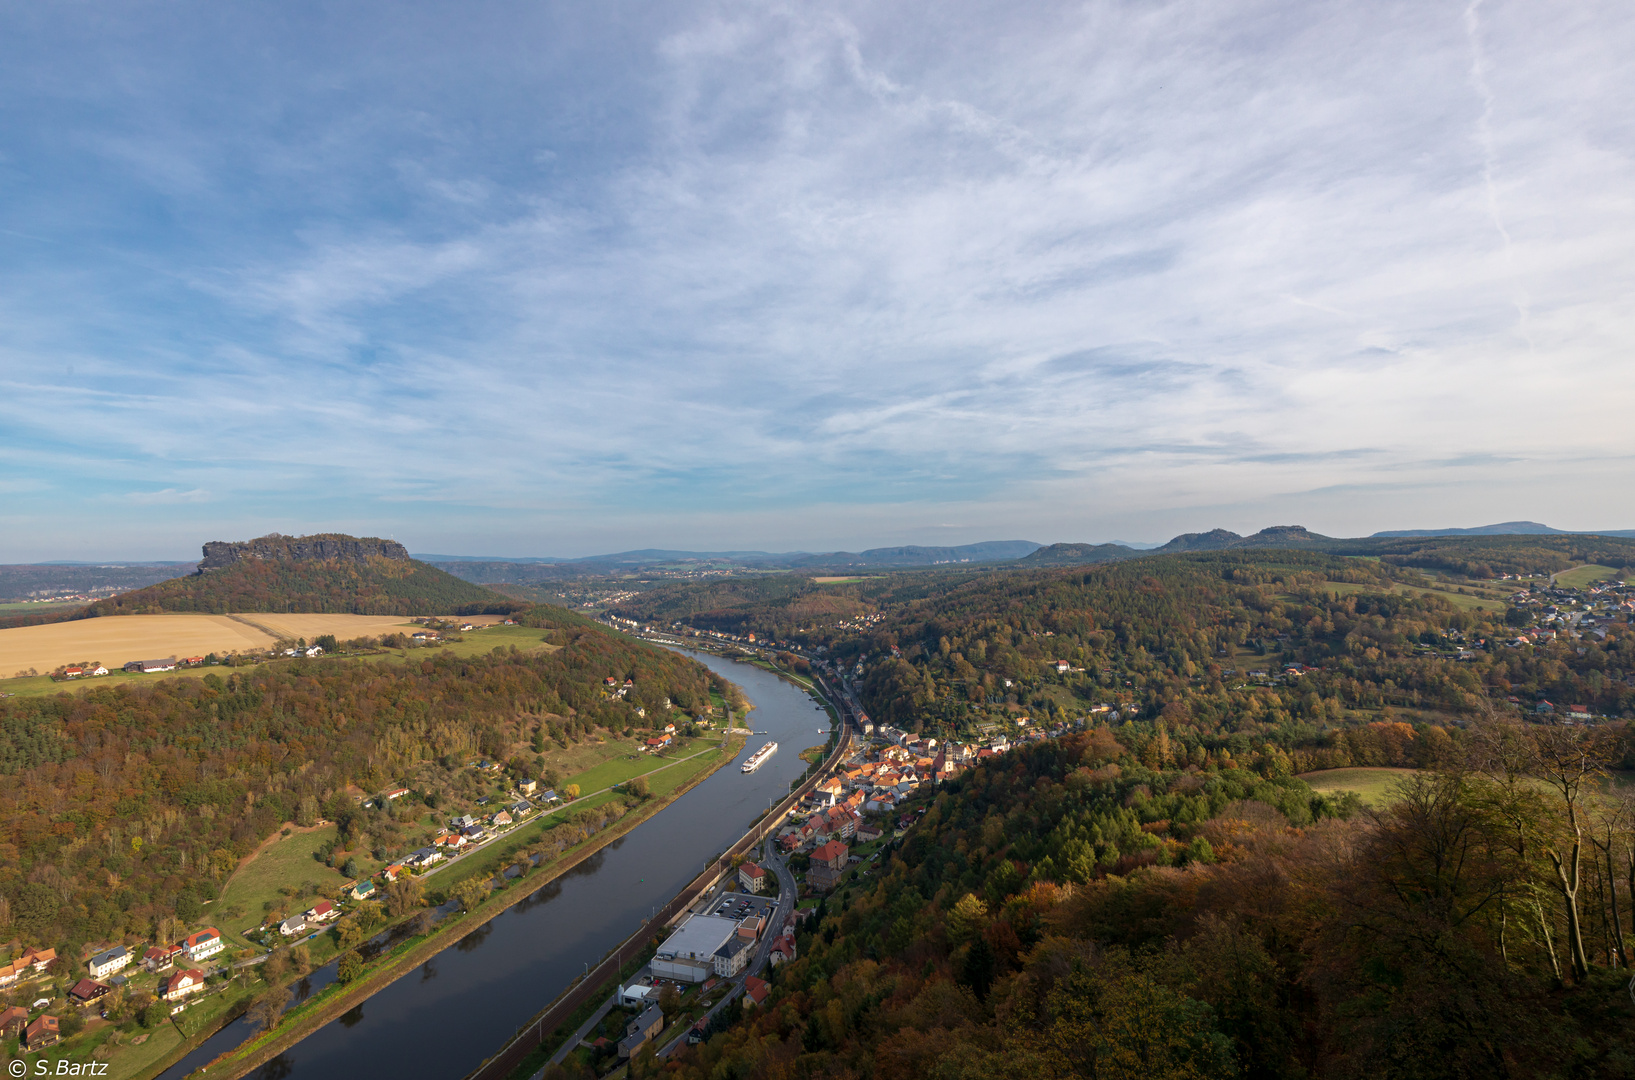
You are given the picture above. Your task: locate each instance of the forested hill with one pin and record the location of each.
(123, 806)
(1123, 905)
(329, 574)
(1476, 555)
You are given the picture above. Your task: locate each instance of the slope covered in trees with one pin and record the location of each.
(125, 805)
(1088, 907)
(370, 586)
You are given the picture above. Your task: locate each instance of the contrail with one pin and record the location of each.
(1490, 157)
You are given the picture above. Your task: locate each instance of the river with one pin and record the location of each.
(464, 1004)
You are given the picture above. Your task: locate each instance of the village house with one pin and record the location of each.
(640, 1029)
(178, 985)
(13, 1021)
(423, 858)
(363, 890)
(8, 974)
(87, 991)
(828, 863)
(321, 912)
(756, 992)
(42, 1033)
(295, 924)
(501, 819)
(37, 959)
(107, 963)
(160, 957)
(397, 793)
(528, 787)
(204, 944)
(751, 877)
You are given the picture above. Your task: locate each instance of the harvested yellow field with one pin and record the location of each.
(344, 627)
(116, 640)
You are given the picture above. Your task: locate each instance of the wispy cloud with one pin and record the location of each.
(805, 276)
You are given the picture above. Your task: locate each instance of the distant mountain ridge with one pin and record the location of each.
(1508, 528)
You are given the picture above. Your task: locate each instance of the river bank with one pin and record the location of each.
(242, 1060)
(335, 999)
(502, 970)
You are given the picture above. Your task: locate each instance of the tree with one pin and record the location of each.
(637, 786)
(264, 1012)
(571, 791)
(370, 914)
(669, 1000)
(470, 892)
(403, 895)
(349, 967)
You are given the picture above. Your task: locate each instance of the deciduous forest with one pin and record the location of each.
(124, 806)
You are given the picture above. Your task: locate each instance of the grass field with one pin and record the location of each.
(837, 580)
(23, 607)
(1580, 576)
(285, 862)
(1375, 785)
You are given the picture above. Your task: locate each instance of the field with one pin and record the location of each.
(837, 580)
(114, 640)
(1375, 785)
(344, 627)
(287, 861)
(1580, 576)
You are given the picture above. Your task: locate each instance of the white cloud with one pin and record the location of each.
(1095, 268)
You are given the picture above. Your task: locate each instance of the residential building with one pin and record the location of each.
(363, 890)
(42, 1033)
(828, 863)
(87, 991)
(641, 1029)
(204, 944)
(178, 985)
(107, 963)
(38, 959)
(8, 975)
(528, 787)
(13, 1021)
(756, 991)
(733, 956)
(160, 957)
(751, 877)
(295, 924)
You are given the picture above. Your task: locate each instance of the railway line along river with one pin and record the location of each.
(466, 1002)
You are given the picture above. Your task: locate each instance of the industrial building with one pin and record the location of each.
(689, 954)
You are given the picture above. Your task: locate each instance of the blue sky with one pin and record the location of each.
(532, 278)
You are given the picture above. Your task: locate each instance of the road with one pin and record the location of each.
(786, 904)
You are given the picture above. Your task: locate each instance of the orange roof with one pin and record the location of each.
(757, 989)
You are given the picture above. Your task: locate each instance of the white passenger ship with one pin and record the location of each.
(758, 758)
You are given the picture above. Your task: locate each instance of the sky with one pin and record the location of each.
(559, 279)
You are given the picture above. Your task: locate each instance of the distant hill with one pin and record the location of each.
(1073, 554)
(329, 573)
(534, 570)
(1507, 528)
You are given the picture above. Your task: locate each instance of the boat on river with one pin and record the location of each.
(758, 758)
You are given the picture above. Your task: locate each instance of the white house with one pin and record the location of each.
(104, 964)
